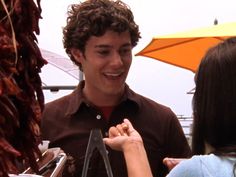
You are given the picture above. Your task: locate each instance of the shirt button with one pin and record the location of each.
(98, 116)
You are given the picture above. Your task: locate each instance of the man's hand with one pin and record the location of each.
(170, 163)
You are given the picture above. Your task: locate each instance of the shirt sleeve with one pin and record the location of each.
(177, 144)
(187, 168)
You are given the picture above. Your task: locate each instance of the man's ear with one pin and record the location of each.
(77, 54)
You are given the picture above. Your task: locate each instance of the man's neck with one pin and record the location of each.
(100, 99)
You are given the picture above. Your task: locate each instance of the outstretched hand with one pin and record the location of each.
(122, 135)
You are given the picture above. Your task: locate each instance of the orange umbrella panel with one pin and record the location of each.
(182, 52)
(186, 49)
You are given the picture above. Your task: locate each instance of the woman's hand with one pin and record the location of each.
(122, 135)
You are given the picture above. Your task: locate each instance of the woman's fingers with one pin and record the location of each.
(120, 129)
(113, 132)
(121, 135)
(130, 128)
(116, 138)
(123, 129)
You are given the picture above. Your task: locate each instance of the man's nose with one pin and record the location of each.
(116, 59)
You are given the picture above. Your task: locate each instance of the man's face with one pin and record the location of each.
(106, 62)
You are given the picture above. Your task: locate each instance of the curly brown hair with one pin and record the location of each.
(94, 18)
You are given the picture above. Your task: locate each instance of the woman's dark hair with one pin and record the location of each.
(214, 100)
(94, 18)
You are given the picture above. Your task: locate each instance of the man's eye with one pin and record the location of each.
(125, 52)
(104, 52)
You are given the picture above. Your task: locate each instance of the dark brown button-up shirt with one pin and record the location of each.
(67, 123)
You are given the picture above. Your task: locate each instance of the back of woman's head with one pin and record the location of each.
(214, 101)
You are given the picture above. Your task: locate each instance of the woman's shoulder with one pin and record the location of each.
(204, 165)
(190, 167)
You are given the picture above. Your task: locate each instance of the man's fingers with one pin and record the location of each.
(172, 162)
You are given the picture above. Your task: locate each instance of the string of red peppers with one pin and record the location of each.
(21, 95)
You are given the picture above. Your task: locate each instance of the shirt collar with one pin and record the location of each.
(77, 99)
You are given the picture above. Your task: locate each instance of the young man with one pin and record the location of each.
(99, 37)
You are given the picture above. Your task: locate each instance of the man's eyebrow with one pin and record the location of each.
(103, 46)
(110, 46)
(127, 45)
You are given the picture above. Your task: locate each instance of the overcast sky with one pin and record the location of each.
(161, 82)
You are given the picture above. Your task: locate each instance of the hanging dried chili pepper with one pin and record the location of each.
(21, 95)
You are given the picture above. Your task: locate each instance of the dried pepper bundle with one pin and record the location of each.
(21, 95)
